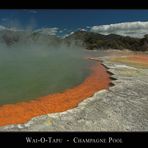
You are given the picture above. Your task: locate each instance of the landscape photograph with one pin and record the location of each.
(73, 70)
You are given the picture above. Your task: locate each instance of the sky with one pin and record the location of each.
(68, 20)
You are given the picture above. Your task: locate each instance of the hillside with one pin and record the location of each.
(88, 40)
(10, 37)
(97, 41)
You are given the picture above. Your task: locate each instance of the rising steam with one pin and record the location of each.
(33, 64)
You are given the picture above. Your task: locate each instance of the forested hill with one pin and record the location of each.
(98, 41)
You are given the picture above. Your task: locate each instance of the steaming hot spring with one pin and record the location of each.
(41, 74)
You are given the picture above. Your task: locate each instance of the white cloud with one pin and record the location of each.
(83, 29)
(48, 31)
(9, 28)
(133, 29)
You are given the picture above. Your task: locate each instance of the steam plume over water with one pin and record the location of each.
(33, 65)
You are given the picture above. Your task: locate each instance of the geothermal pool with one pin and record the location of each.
(38, 77)
(28, 74)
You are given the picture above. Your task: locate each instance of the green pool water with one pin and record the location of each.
(30, 72)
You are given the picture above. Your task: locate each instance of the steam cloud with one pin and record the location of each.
(133, 29)
(42, 62)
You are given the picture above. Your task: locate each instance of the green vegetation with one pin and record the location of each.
(97, 41)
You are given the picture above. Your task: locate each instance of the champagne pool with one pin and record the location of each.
(38, 78)
(27, 74)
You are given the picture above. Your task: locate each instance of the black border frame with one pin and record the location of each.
(17, 138)
(74, 4)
